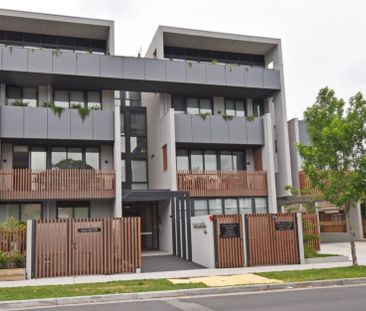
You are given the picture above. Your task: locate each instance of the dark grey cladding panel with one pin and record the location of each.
(201, 129)
(133, 68)
(111, 66)
(183, 128)
(216, 74)
(80, 129)
(271, 79)
(234, 75)
(59, 126)
(253, 77)
(238, 131)
(196, 73)
(88, 64)
(219, 130)
(64, 63)
(15, 59)
(40, 61)
(255, 132)
(35, 122)
(11, 121)
(103, 124)
(155, 69)
(176, 71)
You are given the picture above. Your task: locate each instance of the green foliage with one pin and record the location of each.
(294, 191)
(94, 107)
(335, 163)
(12, 223)
(19, 103)
(214, 61)
(250, 118)
(3, 260)
(17, 260)
(83, 111)
(47, 105)
(227, 117)
(57, 110)
(204, 115)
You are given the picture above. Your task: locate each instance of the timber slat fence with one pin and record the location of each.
(86, 246)
(223, 183)
(19, 184)
(333, 226)
(13, 240)
(228, 250)
(272, 239)
(310, 226)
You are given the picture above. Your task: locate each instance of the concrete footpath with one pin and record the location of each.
(113, 298)
(166, 274)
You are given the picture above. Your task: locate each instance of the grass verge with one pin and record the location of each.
(317, 274)
(117, 287)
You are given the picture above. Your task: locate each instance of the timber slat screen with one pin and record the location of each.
(223, 183)
(228, 241)
(310, 227)
(271, 239)
(333, 226)
(20, 184)
(13, 240)
(306, 185)
(70, 247)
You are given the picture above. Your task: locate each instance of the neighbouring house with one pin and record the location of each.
(198, 126)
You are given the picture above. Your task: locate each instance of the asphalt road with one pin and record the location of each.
(349, 298)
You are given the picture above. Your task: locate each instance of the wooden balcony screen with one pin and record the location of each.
(25, 184)
(306, 185)
(223, 183)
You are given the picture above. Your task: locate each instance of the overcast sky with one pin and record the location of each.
(324, 41)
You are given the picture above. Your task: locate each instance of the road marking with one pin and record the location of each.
(183, 305)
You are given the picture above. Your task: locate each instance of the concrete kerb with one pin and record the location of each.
(52, 302)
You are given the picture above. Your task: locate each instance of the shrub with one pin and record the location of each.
(3, 260)
(17, 260)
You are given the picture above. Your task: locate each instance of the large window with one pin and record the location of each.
(138, 122)
(92, 158)
(73, 210)
(235, 107)
(227, 206)
(75, 158)
(20, 156)
(26, 95)
(73, 99)
(192, 105)
(139, 174)
(210, 160)
(38, 158)
(20, 211)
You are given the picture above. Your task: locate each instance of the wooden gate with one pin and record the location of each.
(86, 246)
(271, 239)
(228, 233)
(310, 229)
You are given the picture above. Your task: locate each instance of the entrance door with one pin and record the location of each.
(149, 222)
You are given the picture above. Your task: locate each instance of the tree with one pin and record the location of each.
(335, 163)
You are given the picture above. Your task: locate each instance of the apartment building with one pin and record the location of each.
(197, 126)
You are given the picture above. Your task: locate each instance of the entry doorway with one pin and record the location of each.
(149, 214)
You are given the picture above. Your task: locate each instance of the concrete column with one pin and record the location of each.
(294, 138)
(300, 235)
(268, 163)
(117, 155)
(28, 264)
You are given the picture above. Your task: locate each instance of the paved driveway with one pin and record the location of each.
(344, 248)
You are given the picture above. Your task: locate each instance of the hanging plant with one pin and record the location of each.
(47, 105)
(19, 103)
(58, 110)
(83, 112)
(227, 117)
(204, 115)
(250, 118)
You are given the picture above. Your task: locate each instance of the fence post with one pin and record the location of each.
(245, 254)
(300, 238)
(29, 251)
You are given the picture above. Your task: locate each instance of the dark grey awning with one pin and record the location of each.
(149, 195)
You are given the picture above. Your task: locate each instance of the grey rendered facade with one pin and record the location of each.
(233, 121)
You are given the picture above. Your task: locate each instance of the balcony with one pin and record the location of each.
(223, 183)
(305, 185)
(27, 184)
(214, 129)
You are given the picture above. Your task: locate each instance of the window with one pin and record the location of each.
(139, 174)
(210, 160)
(20, 157)
(92, 158)
(132, 99)
(38, 158)
(123, 169)
(138, 144)
(74, 99)
(245, 206)
(191, 105)
(196, 160)
(20, 211)
(25, 95)
(231, 206)
(138, 122)
(123, 144)
(232, 161)
(215, 206)
(182, 160)
(165, 157)
(235, 108)
(94, 100)
(200, 207)
(61, 99)
(73, 212)
(261, 205)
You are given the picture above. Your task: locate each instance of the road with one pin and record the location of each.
(350, 298)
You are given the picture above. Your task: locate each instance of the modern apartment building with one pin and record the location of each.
(197, 126)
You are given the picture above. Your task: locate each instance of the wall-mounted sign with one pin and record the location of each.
(89, 230)
(229, 231)
(284, 225)
(199, 225)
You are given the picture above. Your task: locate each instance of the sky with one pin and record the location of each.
(323, 41)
